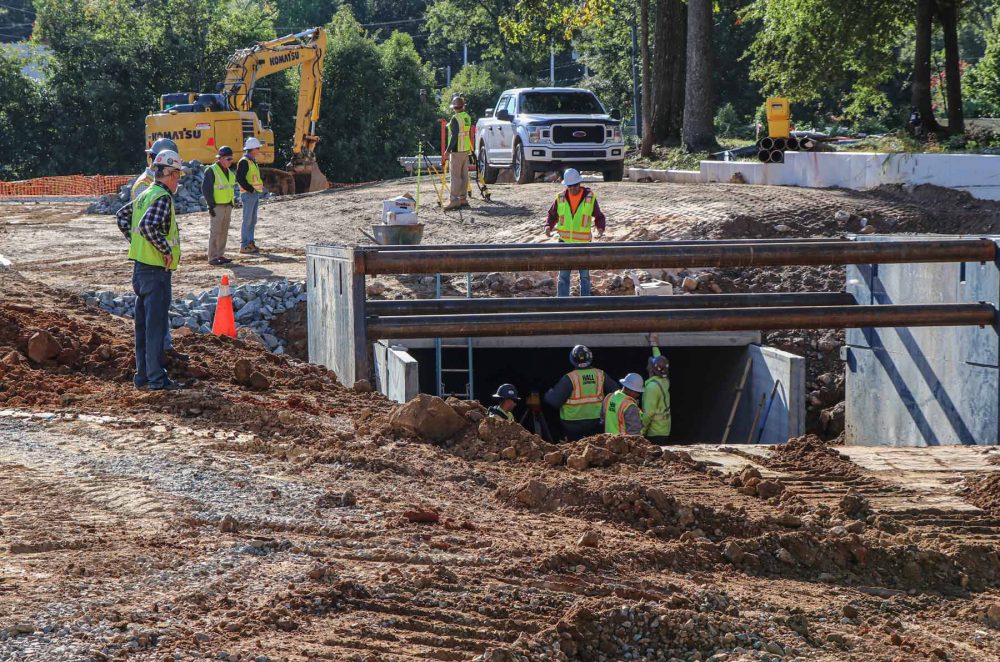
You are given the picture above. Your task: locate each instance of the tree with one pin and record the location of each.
(21, 134)
(947, 13)
(407, 116)
(647, 106)
(984, 78)
(698, 131)
(669, 67)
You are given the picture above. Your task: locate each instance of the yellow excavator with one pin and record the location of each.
(201, 122)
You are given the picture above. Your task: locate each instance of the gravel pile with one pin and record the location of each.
(254, 305)
(187, 200)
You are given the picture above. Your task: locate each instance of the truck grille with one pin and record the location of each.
(577, 153)
(564, 133)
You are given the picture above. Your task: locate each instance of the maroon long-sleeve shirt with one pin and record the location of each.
(598, 214)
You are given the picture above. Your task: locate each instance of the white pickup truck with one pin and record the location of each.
(545, 129)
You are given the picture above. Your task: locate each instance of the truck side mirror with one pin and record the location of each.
(488, 112)
(503, 115)
(615, 114)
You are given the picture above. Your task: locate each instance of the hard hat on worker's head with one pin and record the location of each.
(251, 143)
(162, 144)
(507, 392)
(658, 365)
(572, 177)
(225, 150)
(168, 158)
(458, 102)
(633, 382)
(581, 357)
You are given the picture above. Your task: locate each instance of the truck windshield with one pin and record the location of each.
(560, 103)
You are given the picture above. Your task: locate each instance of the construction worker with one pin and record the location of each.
(574, 214)
(150, 226)
(578, 395)
(219, 189)
(620, 412)
(458, 149)
(507, 395)
(656, 397)
(248, 176)
(148, 176)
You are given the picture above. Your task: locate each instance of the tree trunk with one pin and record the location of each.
(646, 148)
(669, 45)
(921, 88)
(698, 132)
(948, 17)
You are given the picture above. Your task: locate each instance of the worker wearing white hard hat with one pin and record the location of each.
(574, 215)
(150, 226)
(251, 188)
(621, 413)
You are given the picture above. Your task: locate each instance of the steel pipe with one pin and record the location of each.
(624, 256)
(712, 319)
(553, 244)
(563, 304)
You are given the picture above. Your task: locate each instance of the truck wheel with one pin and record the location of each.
(523, 171)
(615, 174)
(487, 172)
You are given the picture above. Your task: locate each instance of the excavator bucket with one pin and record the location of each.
(303, 178)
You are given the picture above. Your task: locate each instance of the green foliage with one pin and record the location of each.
(406, 116)
(606, 49)
(808, 49)
(727, 122)
(982, 82)
(480, 85)
(20, 133)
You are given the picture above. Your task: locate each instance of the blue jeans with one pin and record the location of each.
(250, 203)
(152, 291)
(562, 286)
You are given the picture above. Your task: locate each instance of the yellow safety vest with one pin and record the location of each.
(502, 414)
(464, 128)
(614, 413)
(141, 250)
(144, 181)
(224, 181)
(253, 175)
(584, 404)
(574, 228)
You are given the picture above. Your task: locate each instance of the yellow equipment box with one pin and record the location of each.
(778, 115)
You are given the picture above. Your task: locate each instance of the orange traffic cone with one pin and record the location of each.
(224, 323)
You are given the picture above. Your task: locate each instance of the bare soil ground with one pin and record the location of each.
(270, 513)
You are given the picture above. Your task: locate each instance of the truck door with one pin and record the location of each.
(505, 149)
(492, 134)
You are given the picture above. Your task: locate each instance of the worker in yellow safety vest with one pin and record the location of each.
(656, 397)
(219, 189)
(508, 397)
(574, 215)
(458, 149)
(252, 185)
(149, 224)
(578, 395)
(620, 412)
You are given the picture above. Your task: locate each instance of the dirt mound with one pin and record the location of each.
(984, 492)
(291, 326)
(603, 450)
(812, 456)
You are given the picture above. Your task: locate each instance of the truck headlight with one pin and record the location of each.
(535, 136)
(615, 134)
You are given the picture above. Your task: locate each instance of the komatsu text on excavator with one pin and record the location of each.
(201, 123)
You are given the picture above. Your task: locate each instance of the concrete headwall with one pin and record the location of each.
(923, 386)
(772, 406)
(978, 174)
(397, 374)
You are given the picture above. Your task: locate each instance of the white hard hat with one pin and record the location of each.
(251, 143)
(572, 177)
(633, 382)
(168, 158)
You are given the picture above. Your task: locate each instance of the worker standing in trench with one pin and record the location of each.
(150, 226)
(508, 397)
(656, 397)
(620, 412)
(573, 215)
(579, 393)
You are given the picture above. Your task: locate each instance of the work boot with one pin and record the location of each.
(249, 249)
(216, 262)
(454, 204)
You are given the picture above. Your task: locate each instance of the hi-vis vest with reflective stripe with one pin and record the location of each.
(499, 412)
(614, 415)
(253, 175)
(144, 181)
(222, 189)
(584, 404)
(575, 227)
(464, 127)
(141, 250)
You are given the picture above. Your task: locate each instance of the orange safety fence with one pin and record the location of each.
(69, 186)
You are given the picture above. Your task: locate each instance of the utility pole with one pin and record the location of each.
(465, 54)
(636, 108)
(448, 75)
(552, 64)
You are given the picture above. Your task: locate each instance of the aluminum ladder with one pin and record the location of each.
(456, 343)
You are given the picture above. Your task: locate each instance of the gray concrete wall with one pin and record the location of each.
(782, 415)
(396, 372)
(923, 386)
(335, 313)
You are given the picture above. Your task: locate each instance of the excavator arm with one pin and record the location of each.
(248, 65)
